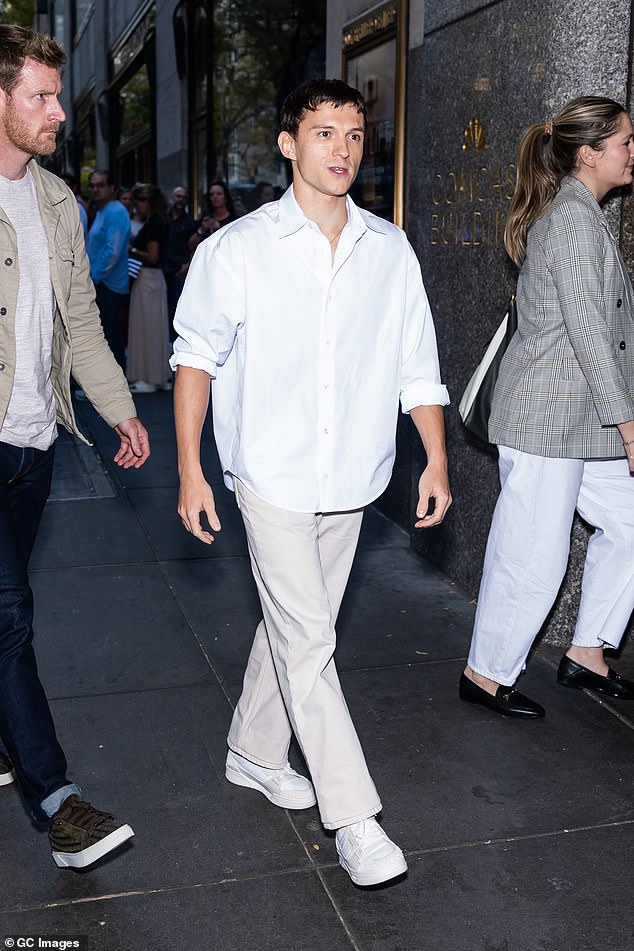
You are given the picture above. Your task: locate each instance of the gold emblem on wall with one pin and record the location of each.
(474, 136)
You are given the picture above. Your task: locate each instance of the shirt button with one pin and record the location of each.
(3, 311)
(622, 345)
(8, 261)
(1, 366)
(619, 302)
(327, 386)
(326, 431)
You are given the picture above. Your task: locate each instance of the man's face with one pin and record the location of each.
(327, 152)
(179, 198)
(100, 191)
(31, 115)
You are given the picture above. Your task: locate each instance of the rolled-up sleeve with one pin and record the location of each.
(211, 306)
(420, 371)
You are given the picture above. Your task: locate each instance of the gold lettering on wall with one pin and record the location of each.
(474, 135)
(470, 201)
(368, 28)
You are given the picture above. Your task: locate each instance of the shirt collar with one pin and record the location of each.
(292, 218)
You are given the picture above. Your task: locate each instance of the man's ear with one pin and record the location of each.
(286, 144)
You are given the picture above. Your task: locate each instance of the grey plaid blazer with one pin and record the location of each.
(568, 375)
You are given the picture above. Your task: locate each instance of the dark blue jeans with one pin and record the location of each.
(26, 725)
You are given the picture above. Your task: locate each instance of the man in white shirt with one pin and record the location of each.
(311, 317)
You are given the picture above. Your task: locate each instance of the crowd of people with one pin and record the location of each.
(140, 248)
(310, 317)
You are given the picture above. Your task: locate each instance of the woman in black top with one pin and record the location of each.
(220, 213)
(148, 333)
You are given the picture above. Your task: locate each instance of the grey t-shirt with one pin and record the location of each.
(30, 418)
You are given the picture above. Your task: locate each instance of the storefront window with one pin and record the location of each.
(134, 107)
(85, 141)
(259, 50)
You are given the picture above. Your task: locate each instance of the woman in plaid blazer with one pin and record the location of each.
(563, 414)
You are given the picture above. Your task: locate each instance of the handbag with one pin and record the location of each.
(475, 405)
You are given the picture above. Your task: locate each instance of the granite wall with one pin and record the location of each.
(508, 63)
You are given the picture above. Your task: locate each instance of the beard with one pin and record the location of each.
(24, 137)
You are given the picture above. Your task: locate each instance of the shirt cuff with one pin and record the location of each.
(424, 394)
(195, 361)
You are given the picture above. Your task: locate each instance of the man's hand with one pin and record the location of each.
(135, 443)
(195, 496)
(433, 484)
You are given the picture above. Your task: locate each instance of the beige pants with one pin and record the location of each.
(301, 564)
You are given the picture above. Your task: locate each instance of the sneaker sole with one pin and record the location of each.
(375, 878)
(94, 852)
(239, 779)
(7, 778)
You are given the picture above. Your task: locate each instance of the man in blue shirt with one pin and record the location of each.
(107, 247)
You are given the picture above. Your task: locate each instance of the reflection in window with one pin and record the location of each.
(134, 106)
(85, 141)
(81, 11)
(261, 50)
(374, 74)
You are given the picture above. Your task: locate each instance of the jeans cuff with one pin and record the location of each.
(51, 804)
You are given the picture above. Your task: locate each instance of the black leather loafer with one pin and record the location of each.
(506, 701)
(572, 674)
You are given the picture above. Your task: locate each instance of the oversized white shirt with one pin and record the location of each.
(309, 356)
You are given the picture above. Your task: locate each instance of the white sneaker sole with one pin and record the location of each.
(7, 778)
(377, 876)
(284, 802)
(93, 852)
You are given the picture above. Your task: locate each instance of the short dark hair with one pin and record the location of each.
(19, 44)
(106, 174)
(313, 93)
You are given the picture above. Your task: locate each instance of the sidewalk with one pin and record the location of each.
(519, 835)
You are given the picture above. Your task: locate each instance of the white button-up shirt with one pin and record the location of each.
(310, 356)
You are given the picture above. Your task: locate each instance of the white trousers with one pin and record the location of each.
(301, 563)
(527, 554)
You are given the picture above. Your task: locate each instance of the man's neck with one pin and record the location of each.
(329, 212)
(13, 163)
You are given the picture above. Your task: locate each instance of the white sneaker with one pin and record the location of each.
(283, 787)
(140, 386)
(7, 773)
(367, 855)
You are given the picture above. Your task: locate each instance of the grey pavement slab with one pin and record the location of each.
(451, 772)
(115, 628)
(156, 759)
(219, 599)
(264, 913)
(79, 472)
(565, 892)
(91, 532)
(156, 508)
(396, 611)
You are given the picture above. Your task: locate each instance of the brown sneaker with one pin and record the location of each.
(6, 770)
(80, 834)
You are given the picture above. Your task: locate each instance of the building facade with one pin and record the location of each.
(181, 91)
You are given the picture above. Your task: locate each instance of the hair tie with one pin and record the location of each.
(548, 127)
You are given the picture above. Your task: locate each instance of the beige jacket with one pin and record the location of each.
(79, 346)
